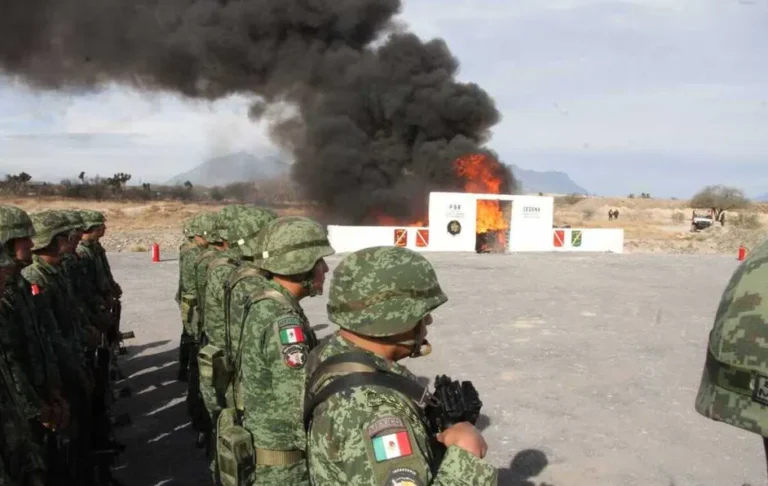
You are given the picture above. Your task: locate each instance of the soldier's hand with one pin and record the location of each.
(464, 436)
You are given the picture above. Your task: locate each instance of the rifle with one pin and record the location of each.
(453, 402)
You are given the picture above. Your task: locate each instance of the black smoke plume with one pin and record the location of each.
(377, 117)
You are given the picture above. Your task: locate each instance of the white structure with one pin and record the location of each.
(453, 223)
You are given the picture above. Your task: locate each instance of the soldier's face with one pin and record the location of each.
(318, 275)
(22, 250)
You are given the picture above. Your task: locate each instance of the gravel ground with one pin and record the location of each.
(588, 366)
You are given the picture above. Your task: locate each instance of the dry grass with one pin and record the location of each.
(649, 224)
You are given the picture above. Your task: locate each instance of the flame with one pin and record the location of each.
(387, 220)
(478, 172)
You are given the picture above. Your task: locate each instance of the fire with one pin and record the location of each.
(478, 172)
(386, 220)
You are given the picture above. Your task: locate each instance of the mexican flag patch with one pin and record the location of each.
(292, 335)
(391, 446)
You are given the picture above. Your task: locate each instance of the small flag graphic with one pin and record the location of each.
(291, 335)
(391, 446)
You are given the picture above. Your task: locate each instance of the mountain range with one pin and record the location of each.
(242, 166)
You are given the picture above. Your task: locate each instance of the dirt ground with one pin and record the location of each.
(587, 366)
(650, 225)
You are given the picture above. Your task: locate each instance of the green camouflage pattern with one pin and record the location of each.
(14, 223)
(214, 317)
(383, 291)
(734, 383)
(270, 359)
(92, 218)
(289, 245)
(340, 439)
(213, 227)
(48, 224)
(76, 222)
(248, 225)
(95, 283)
(64, 329)
(27, 337)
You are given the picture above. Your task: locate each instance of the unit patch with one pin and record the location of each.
(35, 289)
(403, 477)
(295, 355)
(392, 446)
(384, 423)
(760, 390)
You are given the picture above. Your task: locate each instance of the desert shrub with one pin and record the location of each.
(678, 217)
(569, 200)
(138, 248)
(588, 214)
(747, 221)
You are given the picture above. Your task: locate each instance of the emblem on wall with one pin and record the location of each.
(454, 227)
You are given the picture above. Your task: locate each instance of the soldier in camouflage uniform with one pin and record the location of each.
(24, 337)
(369, 434)
(52, 235)
(21, 461)
(215, 235)
(246, 225)
(734, 383)
(96, 283)
(185, 293)
(289, 265)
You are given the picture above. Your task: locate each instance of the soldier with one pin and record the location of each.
(215, 235)
(734, 383)
(21, 461)
(185, 295)
(371, 433)
(247, 225)
(289, 265)
(52, 234)
(29, 352)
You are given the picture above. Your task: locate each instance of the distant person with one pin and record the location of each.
(722, 218)
(616, 214)
(610, 215)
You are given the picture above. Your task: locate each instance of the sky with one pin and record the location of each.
(657, 96)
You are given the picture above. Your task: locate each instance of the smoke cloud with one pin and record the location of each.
(375, 119)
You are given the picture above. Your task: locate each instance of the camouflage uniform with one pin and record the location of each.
(734, 383)
(25, 339)
(21, 460)
(185, 293)
(95, 282)
(246, 226)
(214, 233)
(372, 434)
(269, 359)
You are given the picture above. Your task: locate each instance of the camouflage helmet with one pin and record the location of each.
(383, 291)
(229, 216)
(14, 223)
(289, 245)
(48, 224)
(248, 225)
(734, 384)
(213, 227)
(92, 218)
(76, 221)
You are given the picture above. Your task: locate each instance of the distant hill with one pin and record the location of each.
(242, 166)
(238, 167)
(550, 182)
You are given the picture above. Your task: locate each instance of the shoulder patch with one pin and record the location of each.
(392, 446)
(403, 477)
(289, 321)
(384, 423)
(35, 289)
(295, 356)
